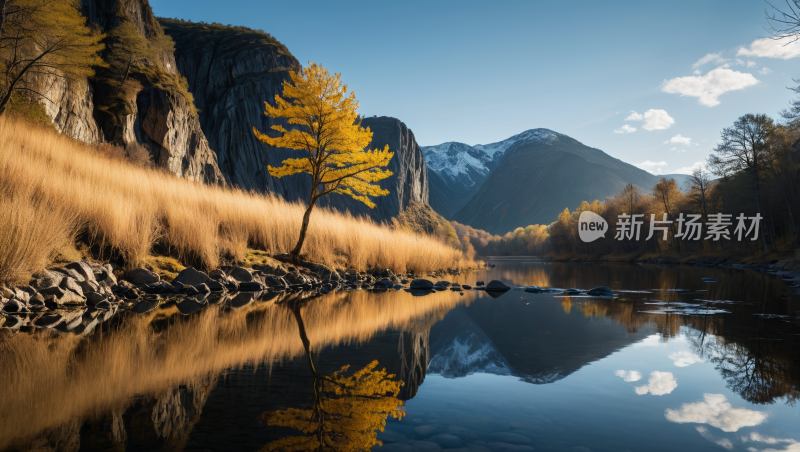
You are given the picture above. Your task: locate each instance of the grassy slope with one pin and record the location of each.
(57, 188)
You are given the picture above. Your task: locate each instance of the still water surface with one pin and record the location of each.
(707, 367)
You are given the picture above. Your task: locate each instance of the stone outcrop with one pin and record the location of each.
(70, 105)
(230, 76)
(163, 121)
(165, 124)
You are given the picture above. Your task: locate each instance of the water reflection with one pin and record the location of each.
(169, 381)
(348, 408)
(154, 371)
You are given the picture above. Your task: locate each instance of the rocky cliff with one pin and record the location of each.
(157, 117)
(232, 71)
(409, 182)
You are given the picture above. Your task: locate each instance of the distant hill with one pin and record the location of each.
(680, 179)
(462, 169)
(540, 175)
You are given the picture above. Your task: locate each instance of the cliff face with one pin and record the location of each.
(409, 182)
(231, 72)
(159, 119)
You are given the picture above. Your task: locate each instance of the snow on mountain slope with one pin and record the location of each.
(463, 168)
(457, 160)
(528, 136)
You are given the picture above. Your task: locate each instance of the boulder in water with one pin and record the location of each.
(421, 284)
(601, 291)
(497, 286)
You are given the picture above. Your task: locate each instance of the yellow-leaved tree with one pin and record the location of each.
(329, 134)
(347, 411)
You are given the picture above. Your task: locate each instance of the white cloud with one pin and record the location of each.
(697, 72)
(765, 70)
(684, 358)
(657, 120)
(707, 88)
(690, 169)
(716, 57)
(771, 48)
(751, 63)
(653, 119)
(724, 442)
(629, 375)
(739, 62)
(715, 411)
(652, 167)
(681, 140)
(625, 129)
(634, 117)
(660, 383)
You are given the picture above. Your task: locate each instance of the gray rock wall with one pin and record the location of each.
(408, 184)
(231, 82)
(162, 121)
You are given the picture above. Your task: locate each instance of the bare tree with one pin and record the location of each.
(745, 148)
(630, 196)
(784, 23)
(699, 189)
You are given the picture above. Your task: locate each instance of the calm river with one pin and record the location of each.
(671, 364)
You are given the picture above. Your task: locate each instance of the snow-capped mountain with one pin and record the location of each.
(458, 161)
(458, 347)
(462, 169)
(528, 136)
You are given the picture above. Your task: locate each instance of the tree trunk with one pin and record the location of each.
(303, 229)
(304, 337)
(765, 249)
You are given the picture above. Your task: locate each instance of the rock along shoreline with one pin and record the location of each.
(77, 297)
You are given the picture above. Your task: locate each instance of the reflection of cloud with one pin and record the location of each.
(791, 445)
(724, 442)
(755, 436)
(715, 411)
(685, 359)
(629, 375)
(660, 383)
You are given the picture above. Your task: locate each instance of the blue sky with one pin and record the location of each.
(479, 72)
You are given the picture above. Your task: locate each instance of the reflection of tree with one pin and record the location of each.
(758, 376)
(347, 410)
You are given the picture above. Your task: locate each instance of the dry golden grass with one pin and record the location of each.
(49, 380)
(60, 183)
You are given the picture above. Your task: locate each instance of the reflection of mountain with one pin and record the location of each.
(537, 342)
(461, 348)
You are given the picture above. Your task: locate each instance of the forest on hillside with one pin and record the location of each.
(754, 172)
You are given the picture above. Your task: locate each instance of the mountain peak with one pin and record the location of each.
(528, 136)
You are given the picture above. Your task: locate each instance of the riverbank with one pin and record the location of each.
(78, 296)
(65, 200)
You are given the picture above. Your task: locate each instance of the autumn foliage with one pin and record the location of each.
(325, 128)
(348, 411)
